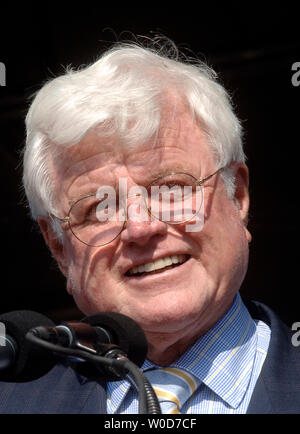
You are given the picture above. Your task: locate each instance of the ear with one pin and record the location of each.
(55, 245)
(241, 195)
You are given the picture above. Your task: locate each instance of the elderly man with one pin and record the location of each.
(100, 142)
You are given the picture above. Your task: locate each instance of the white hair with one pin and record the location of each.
(122, 93)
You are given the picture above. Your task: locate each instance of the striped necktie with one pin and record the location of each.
(173, 387)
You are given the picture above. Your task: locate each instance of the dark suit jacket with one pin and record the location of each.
(62, 390)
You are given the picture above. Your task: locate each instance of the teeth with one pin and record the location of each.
(175, 259)
(158, 264)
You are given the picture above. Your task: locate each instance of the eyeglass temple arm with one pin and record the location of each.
(63, 220)
(201, 181)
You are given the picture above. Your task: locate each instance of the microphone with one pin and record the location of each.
(26, 355)
(108, 334)
(20, 361)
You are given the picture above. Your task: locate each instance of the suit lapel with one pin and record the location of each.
(277, 389)
(260, 402)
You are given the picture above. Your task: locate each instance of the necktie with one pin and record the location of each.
(173, 387)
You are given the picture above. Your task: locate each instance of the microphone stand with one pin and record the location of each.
(116, 363)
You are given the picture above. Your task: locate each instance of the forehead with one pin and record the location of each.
(179, 144)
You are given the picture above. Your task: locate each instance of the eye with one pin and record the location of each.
(90, 211)
(85, 210)
(174, 181)
(174, 184)
(175, 198)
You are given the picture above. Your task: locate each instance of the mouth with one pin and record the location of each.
(158, 266)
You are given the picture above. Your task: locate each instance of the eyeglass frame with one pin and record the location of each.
(67, 218)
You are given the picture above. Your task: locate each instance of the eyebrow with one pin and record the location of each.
(174, 169)
(81, 196)
(93, 192)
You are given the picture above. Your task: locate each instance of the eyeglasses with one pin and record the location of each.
(175, 198)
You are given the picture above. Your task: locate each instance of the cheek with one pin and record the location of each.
(223, 240)
(90, 281)
(234, 251)
(90, 296)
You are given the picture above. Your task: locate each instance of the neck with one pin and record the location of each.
(163, 350)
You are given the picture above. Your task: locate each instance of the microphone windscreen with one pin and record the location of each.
(31, 362)
(127, 334)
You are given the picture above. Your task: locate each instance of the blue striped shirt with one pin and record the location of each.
(227, 360)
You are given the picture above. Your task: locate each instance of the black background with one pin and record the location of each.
(252, 47)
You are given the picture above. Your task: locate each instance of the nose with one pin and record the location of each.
(140, 232)
(140, 227)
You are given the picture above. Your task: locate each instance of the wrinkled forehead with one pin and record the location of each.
(177, 126)
(178, 134)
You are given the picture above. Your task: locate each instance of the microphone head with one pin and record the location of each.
(31, 362)
(126, 333)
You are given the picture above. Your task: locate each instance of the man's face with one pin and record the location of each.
(184, 299)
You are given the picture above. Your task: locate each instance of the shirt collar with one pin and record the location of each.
(222, 358)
